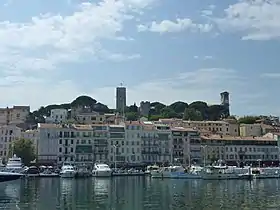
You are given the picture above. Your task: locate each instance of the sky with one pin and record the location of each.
(161, 50)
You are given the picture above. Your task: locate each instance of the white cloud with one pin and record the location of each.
(49, 40)
(256, 19)
(179, 25)
(271, 75)
(202, 84)
(206, 57)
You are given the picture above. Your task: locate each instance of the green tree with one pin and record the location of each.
(167, 112)
(248, 120)
(179, 106)
(156, 107)
(24, 149)
(192, 114)
(155, 117)
(131, 116)
(201, 107)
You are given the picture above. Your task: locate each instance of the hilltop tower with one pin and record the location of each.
(225, 103)
(120, 99)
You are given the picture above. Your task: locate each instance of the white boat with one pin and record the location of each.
(265, 173)
(101, 170)
(177, 172)
(9, 176)
(67, 171)
(152, 168)
(222, 172)
(14, 164)
(130, 172)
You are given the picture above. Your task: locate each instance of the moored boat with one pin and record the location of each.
(101, 170)
(9, 176)
(222, 172)
(67, 171)
(14, 164)
(177, 172)
(130, 172)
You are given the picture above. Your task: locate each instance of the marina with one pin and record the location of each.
(139, 193)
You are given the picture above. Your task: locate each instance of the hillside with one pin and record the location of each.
(197, 110)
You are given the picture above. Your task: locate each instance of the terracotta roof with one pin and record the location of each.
(182, 129)
(203, 122)
(46, 125)
(149, 127)
(133, 123)
(232, 138)
(82, 127)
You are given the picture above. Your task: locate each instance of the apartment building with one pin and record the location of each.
(150, 144)
(216, 127)
(186, 145)
(164, 135)
(8, 135)
(133, 138)
(240, 150)
(14, 115)
(250, 130)
(57, 116)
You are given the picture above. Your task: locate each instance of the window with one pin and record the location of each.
(60, 149)
(72, 149)
(60, 141)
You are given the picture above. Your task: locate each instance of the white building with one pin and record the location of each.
(48, 143)
(8, 135)
(250, 130)
(132, 149)
(57, 116)
(246, 150)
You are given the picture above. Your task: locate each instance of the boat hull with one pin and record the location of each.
(220, 176)
(129, 174)
(49, 175)
(4, 177)
(175, 175)
(98, 173)
(68, 174)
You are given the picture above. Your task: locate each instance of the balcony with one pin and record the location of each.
(150, 152)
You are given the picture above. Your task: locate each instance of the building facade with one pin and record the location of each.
(241, 150)
(14, 115)
(120, 99)
(250, 130)
(8, 135)
(216, 127)
(57, 116)
(145, 107)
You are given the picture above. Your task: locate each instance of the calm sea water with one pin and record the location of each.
(139, 193)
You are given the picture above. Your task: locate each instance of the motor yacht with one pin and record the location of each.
(14, 164)
(221, 172)
(9, 176)
(67, 171)
(101, 170)
(151, 168)
(178, 172)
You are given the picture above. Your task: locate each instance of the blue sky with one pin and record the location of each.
(52, 51)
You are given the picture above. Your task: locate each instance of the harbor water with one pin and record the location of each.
(138, 193)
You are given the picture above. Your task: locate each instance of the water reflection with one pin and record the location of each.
(138, 193)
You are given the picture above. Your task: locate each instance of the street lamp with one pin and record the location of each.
(115, 156)
(204, 154)
(278, 154)
(259, 160)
